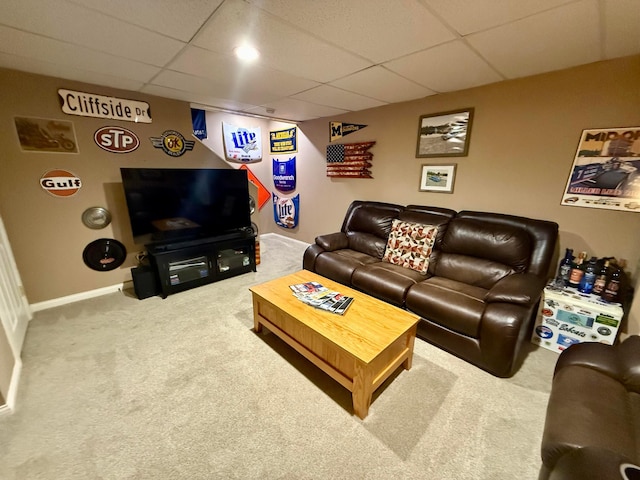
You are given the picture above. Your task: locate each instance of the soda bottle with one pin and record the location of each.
(577, 270)
(601, 278)
(611, 292)
(562, 279)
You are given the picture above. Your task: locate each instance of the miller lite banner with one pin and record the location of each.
(285, 211)
(242, 145)
(284, 174)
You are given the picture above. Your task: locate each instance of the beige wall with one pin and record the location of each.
(523, 141)
(46, 232)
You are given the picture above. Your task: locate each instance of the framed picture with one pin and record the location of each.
(605, 170)
(437, 178)
(444, 134)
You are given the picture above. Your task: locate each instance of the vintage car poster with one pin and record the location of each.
(242, 145)
(605, 170)
(284, 174)
(285, 211)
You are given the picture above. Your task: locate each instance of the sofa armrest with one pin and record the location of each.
(520, 288)
(592, 463)
(621, 361)
(333, 241)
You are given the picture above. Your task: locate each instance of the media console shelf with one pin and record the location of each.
(186, 265)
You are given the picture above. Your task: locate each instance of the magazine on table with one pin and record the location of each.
(319, 296)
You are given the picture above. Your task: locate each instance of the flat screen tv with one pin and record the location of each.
(175, 204)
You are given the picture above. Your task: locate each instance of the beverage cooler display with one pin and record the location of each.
(568, 316)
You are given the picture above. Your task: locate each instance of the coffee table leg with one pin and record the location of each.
(410, 342)
(362, 390)
(257, 326)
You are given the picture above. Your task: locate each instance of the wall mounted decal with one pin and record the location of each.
(99, 106)
(605, 170)
(60, 183)
(445, 134)
(172, 143)
(46, 135)
(199, 122)
(116, 139)
(351, 160)
(242, 145)
(284, 174)
(286, 210)
(283, 141)
(337, 130)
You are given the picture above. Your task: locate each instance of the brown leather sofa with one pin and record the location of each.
(485, 276)
(592, 425)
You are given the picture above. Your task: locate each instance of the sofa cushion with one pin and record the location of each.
(410, 244)
(452, 304)
(341, 264)
(504, 244)
(386, 281)
(474, 271)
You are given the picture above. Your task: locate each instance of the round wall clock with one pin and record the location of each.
(96, 217)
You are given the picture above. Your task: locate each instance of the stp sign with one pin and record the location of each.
(60, 183)
(116, 139)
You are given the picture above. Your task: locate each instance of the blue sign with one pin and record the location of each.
(199, 121)
(284, 174)
(285, 210)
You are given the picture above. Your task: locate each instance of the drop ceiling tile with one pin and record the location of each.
(469, 17)
(229, 71)
(553, 40)
(378, 30)
(81, 26)
(180, 20)
(64, 54)
(297, 110)
(337, 98)
(446, 68)
(282, 46)
(65, 72)
(204, 86)
(622, 21)
(203, 100)
(382, 84)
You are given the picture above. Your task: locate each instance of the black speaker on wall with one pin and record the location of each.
(145, 283)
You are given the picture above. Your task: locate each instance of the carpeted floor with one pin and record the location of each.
(182, 388)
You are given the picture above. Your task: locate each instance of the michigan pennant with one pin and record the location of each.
(339, 130)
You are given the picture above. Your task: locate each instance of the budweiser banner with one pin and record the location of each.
(351, 160)
(242, 145)
(284, 174)
(337, 130)
(285, 210)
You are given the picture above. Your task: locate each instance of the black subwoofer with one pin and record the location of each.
(145, 283)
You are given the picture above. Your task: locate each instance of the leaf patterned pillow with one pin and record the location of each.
(410, 244)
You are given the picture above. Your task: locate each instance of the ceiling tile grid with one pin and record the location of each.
(318, 58)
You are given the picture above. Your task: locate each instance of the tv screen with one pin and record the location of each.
(173, 204)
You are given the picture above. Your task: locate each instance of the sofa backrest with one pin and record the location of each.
(368, 224)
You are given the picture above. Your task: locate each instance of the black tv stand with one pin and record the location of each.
(183, 265)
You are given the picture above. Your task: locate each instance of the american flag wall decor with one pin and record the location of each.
(352, 160)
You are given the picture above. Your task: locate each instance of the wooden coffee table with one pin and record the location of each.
(359, 349)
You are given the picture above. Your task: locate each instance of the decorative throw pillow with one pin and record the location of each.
(410, 244)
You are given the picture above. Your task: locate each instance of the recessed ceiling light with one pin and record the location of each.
(246, 53)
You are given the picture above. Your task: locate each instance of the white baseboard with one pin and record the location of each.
(9, 407)
(56, 302)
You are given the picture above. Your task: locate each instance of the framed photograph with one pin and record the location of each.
(437, 178)
(46, 135)
(444, 134)
(605, 170)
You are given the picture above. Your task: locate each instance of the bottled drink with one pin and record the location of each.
(611, 292)
(601, 278)
(562, 279)
(577, 270)
(589, 277)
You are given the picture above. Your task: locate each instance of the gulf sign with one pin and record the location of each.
(116, 139)
(60, 183)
